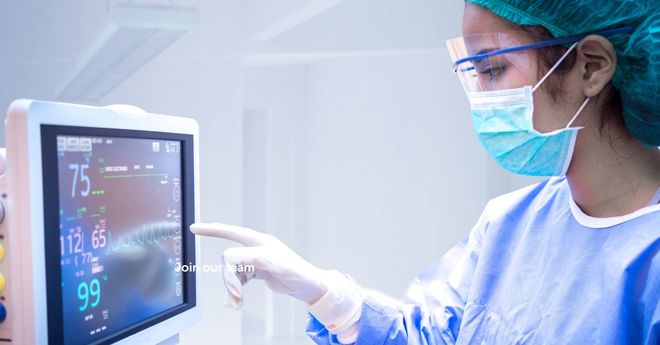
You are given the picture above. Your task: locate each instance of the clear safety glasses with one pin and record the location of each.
(490, 62)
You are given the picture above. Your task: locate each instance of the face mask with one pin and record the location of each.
(504, 126)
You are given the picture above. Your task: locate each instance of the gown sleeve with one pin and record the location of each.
(430, 313)
(650, 302)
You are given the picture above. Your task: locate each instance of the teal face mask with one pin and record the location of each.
(504, 126)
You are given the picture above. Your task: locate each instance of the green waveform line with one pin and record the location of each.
(134, 175)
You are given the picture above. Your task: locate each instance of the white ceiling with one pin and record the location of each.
(41, 39)
(60, 29)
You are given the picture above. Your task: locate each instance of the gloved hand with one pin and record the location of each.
(281, 268)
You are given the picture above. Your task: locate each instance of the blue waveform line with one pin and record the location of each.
(149, 235)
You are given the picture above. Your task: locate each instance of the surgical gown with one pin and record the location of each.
(534, 270)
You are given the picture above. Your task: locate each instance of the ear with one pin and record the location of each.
(596, 59)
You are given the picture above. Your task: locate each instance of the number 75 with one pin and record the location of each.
(83, 179)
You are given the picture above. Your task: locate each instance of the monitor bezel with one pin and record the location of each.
(50, 177)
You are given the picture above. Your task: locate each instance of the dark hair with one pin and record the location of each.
(612, 109)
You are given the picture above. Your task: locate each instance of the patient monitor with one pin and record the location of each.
(97, 204)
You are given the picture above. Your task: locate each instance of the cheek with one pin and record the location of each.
(522, 70)
(550, 115)
(517, 78)
(545, 117)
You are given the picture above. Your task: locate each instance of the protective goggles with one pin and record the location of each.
(490, 62)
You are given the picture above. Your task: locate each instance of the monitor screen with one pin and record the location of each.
(121, 214)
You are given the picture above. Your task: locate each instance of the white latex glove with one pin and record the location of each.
(281, 268)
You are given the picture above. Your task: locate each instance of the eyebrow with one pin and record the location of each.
(484, 51)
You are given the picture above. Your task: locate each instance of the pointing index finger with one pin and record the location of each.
(234, 233)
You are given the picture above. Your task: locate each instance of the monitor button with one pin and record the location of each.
(3, 313)
(3, 282)
(2, 252)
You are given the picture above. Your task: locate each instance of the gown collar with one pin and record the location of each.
(607, 222)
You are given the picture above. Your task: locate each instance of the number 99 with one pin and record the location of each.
(86, 291)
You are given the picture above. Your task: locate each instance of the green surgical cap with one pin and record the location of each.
(638, 53)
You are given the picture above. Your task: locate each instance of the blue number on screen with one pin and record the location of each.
(83, 295)
(78, 247)
(98, 239)
(95, 290)
(83, 178)
(86, 291)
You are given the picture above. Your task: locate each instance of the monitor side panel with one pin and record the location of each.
(22, 293)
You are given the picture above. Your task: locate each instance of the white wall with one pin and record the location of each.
(367, 164)
(275, 100)
(345, 134)
(388, 172)
(200, 76)
(205, 89)
(395, 176)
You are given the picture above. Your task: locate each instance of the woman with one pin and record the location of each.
(571, 260)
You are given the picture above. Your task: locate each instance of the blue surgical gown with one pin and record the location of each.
(534, 270)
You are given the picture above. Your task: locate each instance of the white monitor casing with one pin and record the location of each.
(24, 225)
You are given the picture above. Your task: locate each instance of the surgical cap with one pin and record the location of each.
(638, 67)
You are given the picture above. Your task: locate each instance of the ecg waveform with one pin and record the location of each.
(149, 234)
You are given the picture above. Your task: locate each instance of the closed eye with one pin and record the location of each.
(492, 72)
